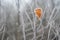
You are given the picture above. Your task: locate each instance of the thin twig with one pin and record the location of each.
(22, 21)
(3, 34)
(29, 19)
(49, 22)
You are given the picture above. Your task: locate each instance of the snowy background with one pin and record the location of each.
(18, 21)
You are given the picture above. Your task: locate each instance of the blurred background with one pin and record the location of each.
(19, 22)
